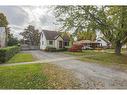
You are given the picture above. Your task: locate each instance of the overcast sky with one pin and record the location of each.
(21, 16)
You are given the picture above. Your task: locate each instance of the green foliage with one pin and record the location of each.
(3, 20)
(86, 36)
(35, 76)
(21, 57)
(12, 40)
(107, 57)
(31, 35)
(22, 77)
(110, 20)
(52, 49)
(7, 53)
(62, 49)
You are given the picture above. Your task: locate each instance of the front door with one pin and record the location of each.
(60, 44)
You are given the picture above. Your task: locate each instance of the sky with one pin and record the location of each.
(19, 17)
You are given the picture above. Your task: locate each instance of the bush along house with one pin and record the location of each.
(53, 39)
(2, 37)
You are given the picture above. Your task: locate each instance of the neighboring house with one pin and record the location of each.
(103, 42)
(53, 39)
(124, 46)
(2, 37)
(88, 44)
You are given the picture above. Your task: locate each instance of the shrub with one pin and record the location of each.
(75, 48)
(50, 49)
(62, 49)
(8, 52)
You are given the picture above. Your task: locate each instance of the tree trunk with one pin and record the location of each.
(118, 48)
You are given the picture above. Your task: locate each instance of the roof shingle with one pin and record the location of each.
(52, 35)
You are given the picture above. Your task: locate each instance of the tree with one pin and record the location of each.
(110, 20)
(32, 35)
(86, 36)
(3, 20)
(12, 40)
(4, 23)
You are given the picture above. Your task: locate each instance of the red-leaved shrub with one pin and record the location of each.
(75, 48)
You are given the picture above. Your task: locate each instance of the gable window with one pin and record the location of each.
(66, 43)
(50, 42)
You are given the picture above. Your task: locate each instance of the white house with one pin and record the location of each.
(53, 39)
(2, 37)
(103, 42)
(100, 39)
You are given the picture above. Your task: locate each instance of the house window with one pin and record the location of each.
(66, 43)
(50, 42)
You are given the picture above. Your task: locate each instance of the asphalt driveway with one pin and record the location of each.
(91, 75)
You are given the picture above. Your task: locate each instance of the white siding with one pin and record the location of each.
(46, 42)
(124, 46)
(57, 42)
(2, 37)
(99, 40)
(43, 46)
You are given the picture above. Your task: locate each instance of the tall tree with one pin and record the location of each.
(12, 40)
(4, 23)
(86, 36)
(110, 20)
(3, 20)
(32, 35)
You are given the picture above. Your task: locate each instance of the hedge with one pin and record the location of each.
(8, 52)
(52, 49)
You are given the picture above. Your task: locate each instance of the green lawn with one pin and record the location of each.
(104, 58)
(112, 50)
(35, 76)
(21, 57)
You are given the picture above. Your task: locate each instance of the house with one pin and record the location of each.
(124, 46)
(53, 39)
(103, 42)
(88, 44)
(2, 37)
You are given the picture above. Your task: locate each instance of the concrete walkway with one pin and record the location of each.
(91, 75)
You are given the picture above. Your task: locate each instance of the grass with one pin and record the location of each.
(21, 57)
(112, 50)
(104, 58)
(35, 76)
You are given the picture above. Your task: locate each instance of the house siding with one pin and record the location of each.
(57, 42)
(43, 46)
(2, 37)
(45, 42)
(102, 42)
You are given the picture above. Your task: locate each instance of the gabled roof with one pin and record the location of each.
(105, 40)
(53, 35)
